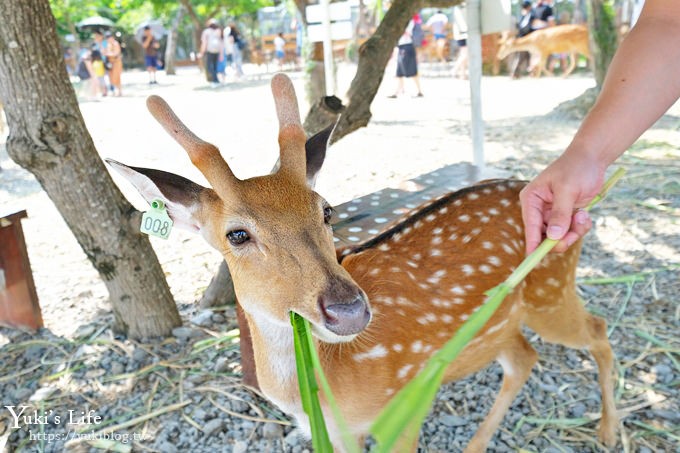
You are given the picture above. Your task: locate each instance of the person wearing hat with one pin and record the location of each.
(212, 45)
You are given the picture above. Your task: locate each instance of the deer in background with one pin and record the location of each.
(382, 309)
(571, 39)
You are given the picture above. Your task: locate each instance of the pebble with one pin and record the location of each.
(221, 365)
(184, 333)
(578, 410)
(212, 426)
(218, 318)
(452, 420)
(240, 447)
(117, 368)
(167, 447)
(203, 318)
(272, 430)
(292, 438)
(139, 354)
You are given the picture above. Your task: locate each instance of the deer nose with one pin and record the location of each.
(345, 318)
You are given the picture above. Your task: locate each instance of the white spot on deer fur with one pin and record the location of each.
(403, 371)
(458, 202)
(447, 318)
(440, 273)
(418, 224)
(387, 300)
(424, 286)
(437, 230)
(510, 221)
(505, 202)
(484, 219)
(494, 211)
(406, 230)
(453, 237)
(395, 269)
(458, 301)
(430, 217)
(467, 238)
(487, 245)
(436, 240)
(476, 231)
(494, 260)
(422, 320)
(469, 287)
(540, 292)
(467, 269)
(472, 196)
(497, 327)
(383, 247)
(507, 249)
(374, 271)
(464, 218)
(417, 346)
(435, 252)
(411, 276)
(389, 392)
(457, 290)
(412, 264)
(444, 210)
(463, 317)
(485, 269)
(375, 352)
(397, 347)
(417, 256)
(486, 191)
(553, 282)
(501, 188)
(397, 237)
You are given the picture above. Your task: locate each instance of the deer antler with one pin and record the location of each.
(205, 156)
(291, 134)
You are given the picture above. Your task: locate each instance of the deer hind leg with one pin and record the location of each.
(566, 322)
(517, 359)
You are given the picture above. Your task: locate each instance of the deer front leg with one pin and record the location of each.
(517, 359)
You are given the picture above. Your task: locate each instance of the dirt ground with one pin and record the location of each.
(189, 383)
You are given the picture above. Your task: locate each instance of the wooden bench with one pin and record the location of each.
(19, 306)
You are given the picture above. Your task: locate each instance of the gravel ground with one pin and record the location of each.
(189, 384)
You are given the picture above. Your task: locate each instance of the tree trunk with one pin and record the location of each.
(603, 37)
(220, 291)
(374, 55)
(49, 138)
(171, 46)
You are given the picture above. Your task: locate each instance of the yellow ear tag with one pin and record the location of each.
(156, 221)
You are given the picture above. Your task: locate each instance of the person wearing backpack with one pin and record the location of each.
(212, 45)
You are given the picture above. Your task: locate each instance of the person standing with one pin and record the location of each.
(279, 49)
(520, 63)
(437, 24)
(212, 46)
(238, 42)
(544, 15)
(114, 57)
(151, 47)
(460, 29)
(407, 65)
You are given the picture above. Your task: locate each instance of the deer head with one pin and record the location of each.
(273, 231)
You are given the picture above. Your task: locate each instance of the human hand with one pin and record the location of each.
(550, 202)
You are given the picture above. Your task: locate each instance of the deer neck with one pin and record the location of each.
(525, 44)
(274, 353)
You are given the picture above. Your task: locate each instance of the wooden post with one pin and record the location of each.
(18, 299)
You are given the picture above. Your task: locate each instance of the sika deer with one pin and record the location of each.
(424, 276)
(571, 39)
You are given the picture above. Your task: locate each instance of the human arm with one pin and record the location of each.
(641, 84)
(204, 44)
(147, 41)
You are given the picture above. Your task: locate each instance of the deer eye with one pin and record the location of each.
(328, 214)
(238, 237)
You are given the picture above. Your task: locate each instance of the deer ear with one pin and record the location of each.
(315, 150)
(180, 195)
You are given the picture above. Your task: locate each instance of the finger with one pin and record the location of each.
(532, 216)
(561, 213)
(580, 225)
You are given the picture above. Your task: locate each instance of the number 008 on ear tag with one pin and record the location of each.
(156, 221)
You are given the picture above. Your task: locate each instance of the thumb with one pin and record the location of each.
(560, 215)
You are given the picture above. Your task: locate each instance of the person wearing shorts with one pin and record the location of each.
(150, 54)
